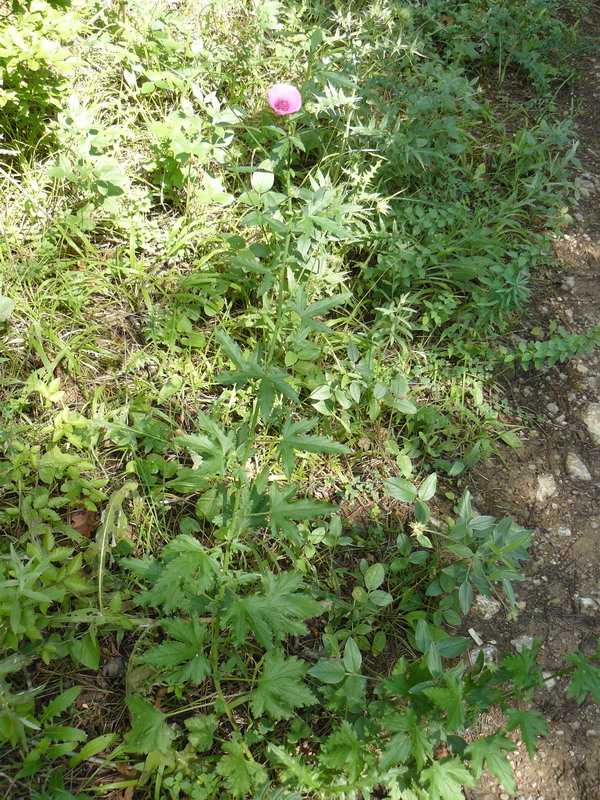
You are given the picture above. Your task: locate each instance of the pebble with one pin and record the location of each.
(486, 607)
(546, 483)
(591, 419)
(576, 468)
(522, 641)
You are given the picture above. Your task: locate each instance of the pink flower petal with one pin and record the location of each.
(284, 98)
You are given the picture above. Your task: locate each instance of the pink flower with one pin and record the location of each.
(284, 98)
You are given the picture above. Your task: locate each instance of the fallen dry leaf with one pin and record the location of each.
(84, 522)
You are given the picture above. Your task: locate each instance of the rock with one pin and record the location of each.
(576, 468)
(486, 607)
(549, 683)
(587, 604)
(560, 530)
(591, 419)
(546, 485)
(522, 641)
(552, 408)
(489, 653)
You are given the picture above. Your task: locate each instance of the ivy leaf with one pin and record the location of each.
(446, 779)
(280, 688)
(241, 775)
(183, 659)
(531, 723)
(149, 730)
(490, 751)
(449, 700)
(586, 678)
(278, 611)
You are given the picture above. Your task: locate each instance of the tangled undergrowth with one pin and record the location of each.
(224, 330)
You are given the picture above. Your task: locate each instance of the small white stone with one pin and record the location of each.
(591, 419)
(576, 468)
(549, 683)
(588, 604)
(489, 654)
(486, 607)
(546, 486)
(522, 641)
(552, 408)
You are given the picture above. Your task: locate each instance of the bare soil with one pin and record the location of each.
(552, 487)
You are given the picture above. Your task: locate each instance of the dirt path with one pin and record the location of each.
(552, 486)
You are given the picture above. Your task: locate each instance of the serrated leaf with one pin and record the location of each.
(405, 721)
(400, 489)
(449, 699)
(277, 611)
(446, 779)
(531, 724)
(280, 688)
(293, 439)
(201, 730)
(397, 751)
(240, 774)
(283, 512)
(149, 729)
(182, 657)
(188, 571)
(328, 671)
(341, 750)
(489, 751)
(585, 679)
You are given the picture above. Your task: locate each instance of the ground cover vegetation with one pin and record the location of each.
(224, 330)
